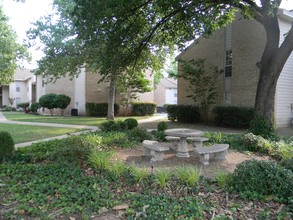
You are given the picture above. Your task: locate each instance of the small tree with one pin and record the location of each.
(62, 101)
(48, 101)
(129, 85)
(202, 83)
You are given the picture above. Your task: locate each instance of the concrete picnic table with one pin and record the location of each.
(183, 133)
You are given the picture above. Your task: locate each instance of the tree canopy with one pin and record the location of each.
(113, 35)
(11, 52)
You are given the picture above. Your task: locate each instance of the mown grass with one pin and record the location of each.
(76, 120)
(26, 133)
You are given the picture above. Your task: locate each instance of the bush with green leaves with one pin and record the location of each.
(183, 113)
(130, 123)
(48, 101)
(288, 164)
(260, 126)
(162, 126)
(35, 106)
(159, 135)
(99, 109)
(139, 135)
(6, 145)
(233, 116)
(257, 179)
(256, 143)
(24, 106)
(113, 126)
(172, 112)
(143, 108)
(62, 101)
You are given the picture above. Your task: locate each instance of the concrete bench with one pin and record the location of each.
(218, 151)
(154, 149)
(196, 141)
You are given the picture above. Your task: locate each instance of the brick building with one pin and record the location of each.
(236, 49)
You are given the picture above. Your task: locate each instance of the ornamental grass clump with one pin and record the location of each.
(224, 179)
(189, 175)
(162, 177)
(138, 174)
(100, 160)
(117, 169)
(6, 145)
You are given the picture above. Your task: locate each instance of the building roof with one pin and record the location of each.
(22, 74)
(169, 83)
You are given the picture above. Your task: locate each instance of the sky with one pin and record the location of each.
(21, 16)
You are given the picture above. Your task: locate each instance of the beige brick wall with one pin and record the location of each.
(248, 40)
(212, 50)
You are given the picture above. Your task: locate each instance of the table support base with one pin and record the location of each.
(182, 154)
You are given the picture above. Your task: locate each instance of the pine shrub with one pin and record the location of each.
(162, 126)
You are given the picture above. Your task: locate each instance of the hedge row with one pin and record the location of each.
(143, 108)
(99, 109)
(183, 113)
(233, 116)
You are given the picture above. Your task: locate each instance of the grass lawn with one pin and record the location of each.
(26, 133)
(76, 120)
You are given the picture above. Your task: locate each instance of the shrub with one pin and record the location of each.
(143, 108)
(183, 113)
(99, 109)
(6, 145)
(256, 143)
(62, 101)
(48, 101)
(130, 123)
(159, 135)
(162, 126)
(24, 106)
(288, 164)
(172, 112)
(259, 126)
(112, 126)
(34, 107)
(233, 116)
(256, 179)
(188, 114)
(139, 135)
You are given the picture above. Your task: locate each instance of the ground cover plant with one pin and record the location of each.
(57, 180)
(26, 133)
(76, 120)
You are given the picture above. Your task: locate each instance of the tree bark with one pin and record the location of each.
(272, 62)
(111, 98)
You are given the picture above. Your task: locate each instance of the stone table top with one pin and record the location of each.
(183, 132)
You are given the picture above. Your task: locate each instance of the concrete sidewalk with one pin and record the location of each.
(2, 117)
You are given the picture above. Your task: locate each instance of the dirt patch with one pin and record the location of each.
(171, 161)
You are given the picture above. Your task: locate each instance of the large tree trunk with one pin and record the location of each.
(270, 66)
(111, 98)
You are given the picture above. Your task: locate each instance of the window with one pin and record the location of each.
(17, 89)
(228, 63)
(175, 94)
